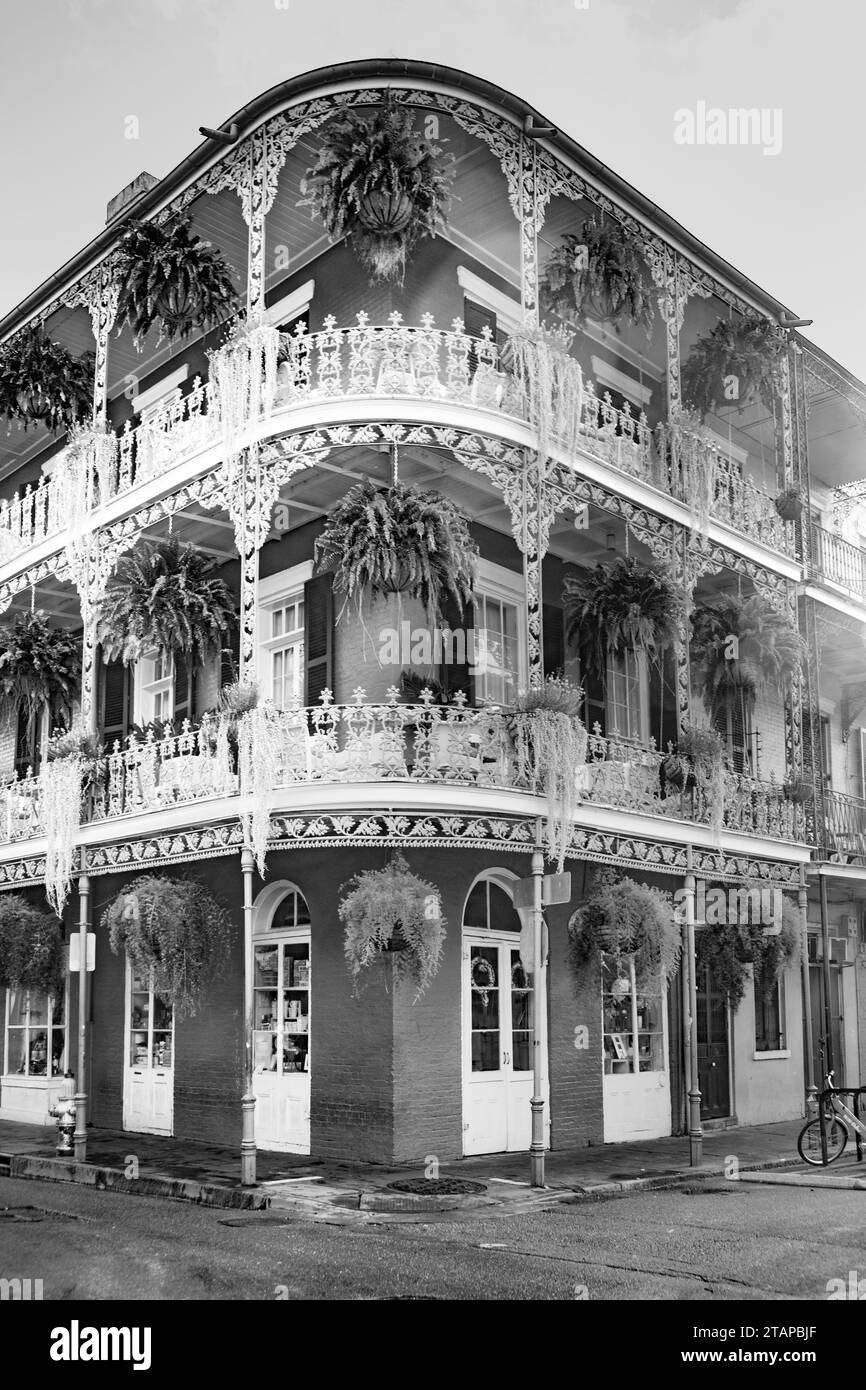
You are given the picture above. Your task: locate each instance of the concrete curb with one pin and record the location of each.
(819, 1179)
(627, 1185)
(148, 1185)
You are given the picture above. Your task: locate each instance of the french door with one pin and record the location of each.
(498, 1034)
(148, 1072)
(714, 1068)
(281, 1041)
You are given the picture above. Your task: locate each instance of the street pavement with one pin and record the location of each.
(708, 1240)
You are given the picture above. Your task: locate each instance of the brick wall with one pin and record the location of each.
(576, 1101)
(356, 651)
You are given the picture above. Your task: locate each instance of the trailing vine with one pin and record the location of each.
(175, 932)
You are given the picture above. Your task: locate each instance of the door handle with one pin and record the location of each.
(505, 1059)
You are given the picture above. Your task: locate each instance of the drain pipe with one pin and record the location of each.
(808, 1058)
(696, 1133)
(829, 1059)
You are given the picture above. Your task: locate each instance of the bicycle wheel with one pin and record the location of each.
(809, 1141)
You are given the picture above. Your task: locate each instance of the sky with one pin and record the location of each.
(616, 75)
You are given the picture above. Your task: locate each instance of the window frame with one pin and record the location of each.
(280, 591)
(49, 1027)
(760, 1003)
(500, 585)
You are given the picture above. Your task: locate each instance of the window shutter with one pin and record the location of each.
(230, 658)
(452, 676)
(184, 689)
(553, 638)
(318, 638)
(114, 702)
(475, 320)
(27, 747)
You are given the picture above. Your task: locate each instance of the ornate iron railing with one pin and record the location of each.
(846, 827)
(421, 363)
(837, 560)
(425, 743)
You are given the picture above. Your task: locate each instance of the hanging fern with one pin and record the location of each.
(599, 271)
(399, 540)
(769, 652)
(732, 949)
(618, 606)
(32, 953)
(175, 932)
(43, 383)
(392, 910)
(624, 918)
(550, 750)
(165, 597)
(379, 182)
(741, 356)
(171, 279)
(40, 668)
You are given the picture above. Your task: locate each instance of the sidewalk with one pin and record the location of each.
(154, 1166)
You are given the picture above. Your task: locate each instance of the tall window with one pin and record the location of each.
(826, 760)
(633, 1024)
(626, 697)
(285, 651)
(497, 652)
(35, 1034)
(157, 688)
(769, 1013)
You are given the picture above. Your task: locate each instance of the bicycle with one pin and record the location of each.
(822, 1140)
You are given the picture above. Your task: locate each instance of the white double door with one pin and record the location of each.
(148, 1073)
(498, 1031)
(281, 1041)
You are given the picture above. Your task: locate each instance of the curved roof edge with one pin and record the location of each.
(335, 74)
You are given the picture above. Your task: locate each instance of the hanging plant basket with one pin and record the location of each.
(165, 596)
(550, 742)
(174, 932)
(599, 271)
(737, 362)
(698, 763)
(32, 952)
(789, 504)
(42, 383)
(621, 605)
(626, 919)
(381, 184)
(40, 668)
(172, 280)
(399, 539)
(770, 652)
(731, 949)
(392, 913)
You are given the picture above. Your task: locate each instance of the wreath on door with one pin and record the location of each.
(478, 962)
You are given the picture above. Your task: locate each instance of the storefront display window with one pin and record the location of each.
(35, 1034)
(633, 1023)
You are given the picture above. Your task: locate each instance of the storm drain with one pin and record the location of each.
(437, 1187)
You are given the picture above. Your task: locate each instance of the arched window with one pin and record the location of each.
(489, 908)
(281, 981)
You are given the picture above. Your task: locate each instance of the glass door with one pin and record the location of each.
(281, 1042)
(498, 1069)
(148, 1099)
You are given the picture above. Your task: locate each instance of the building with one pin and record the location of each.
(413, 378)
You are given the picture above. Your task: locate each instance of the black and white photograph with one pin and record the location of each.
(432, 674)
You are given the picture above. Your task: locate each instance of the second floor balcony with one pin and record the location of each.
(838, 562)
(334, 375)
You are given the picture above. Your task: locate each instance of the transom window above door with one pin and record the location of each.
(489, 908)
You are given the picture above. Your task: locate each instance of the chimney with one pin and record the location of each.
(128, 195)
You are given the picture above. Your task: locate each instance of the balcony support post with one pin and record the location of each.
(830, 1060)
(696, 1133)
(79, 1138)
(248, 1103)
(808, 1062)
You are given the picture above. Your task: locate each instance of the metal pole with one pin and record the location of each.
(808, 1059)
(830, 1061)
(248, 1103)
(696, 1133)
(80, 1136)
(536, 1148)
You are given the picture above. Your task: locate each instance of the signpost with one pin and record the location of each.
(530, 896)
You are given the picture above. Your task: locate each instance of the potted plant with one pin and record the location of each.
(382, 184)
(731, 949)
(165, 597)
(41, 382)
(739, 647)
(32, 955)
(698, 759)
(40, 668)
(392, 910)
(77, 743)
(171, 279)
(797, 790)
(550, 751)
(175, 932)
(625, 919)
(738, 361)
(399, 540)
(620, 605)
(789, 504)
(599, 271)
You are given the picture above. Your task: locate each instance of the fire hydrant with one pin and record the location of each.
(64, 1112)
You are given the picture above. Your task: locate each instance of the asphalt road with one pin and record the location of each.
(712, 1241)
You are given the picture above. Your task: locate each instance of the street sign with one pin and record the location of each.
(75, 953)
(555, 888)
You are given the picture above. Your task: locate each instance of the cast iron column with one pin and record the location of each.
(248, 1104)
